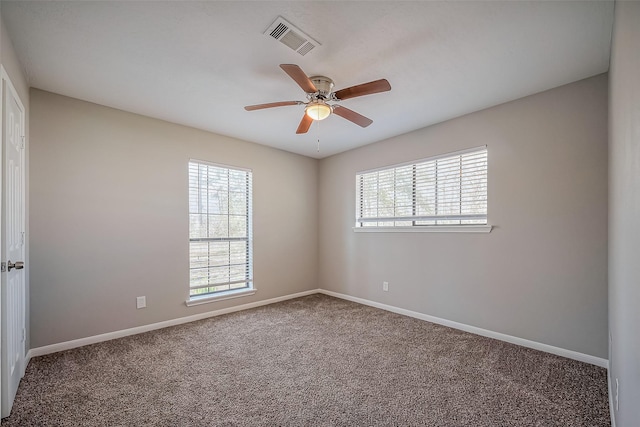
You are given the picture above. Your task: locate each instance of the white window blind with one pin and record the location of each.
(444, 190)
(220, 229)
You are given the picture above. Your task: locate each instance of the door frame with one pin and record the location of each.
(3, 73)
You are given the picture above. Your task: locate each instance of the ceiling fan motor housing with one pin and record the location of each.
(323, 84)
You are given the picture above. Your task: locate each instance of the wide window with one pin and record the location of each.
(220, 229)
(448, 190)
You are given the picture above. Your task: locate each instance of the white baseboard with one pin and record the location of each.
(68, 345)
(478, 331)
(27, 359)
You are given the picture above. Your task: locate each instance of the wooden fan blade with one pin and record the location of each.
(305, 124)
(352, 116)
(270, 105)
(299, 77)
(376, 86)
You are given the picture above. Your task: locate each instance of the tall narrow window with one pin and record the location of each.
(444, 190)
(220, 229)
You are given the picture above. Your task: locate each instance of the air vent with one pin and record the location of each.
(291, 36)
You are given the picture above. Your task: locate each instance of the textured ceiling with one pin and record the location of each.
(200, 63)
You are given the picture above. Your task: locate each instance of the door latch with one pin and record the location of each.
(18, 265)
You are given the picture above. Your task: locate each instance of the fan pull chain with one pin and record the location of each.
(318, 128)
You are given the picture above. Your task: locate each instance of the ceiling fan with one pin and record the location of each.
(319, 95)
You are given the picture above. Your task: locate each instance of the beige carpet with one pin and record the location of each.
(312, 361)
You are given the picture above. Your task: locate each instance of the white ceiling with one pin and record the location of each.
(200, 63)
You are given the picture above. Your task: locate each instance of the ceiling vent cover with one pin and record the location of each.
(291, 36)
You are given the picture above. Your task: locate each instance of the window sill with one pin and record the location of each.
(427, 229)
(220, 297)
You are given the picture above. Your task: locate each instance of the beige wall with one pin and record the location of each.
(624, 213)
(541, 274)
(109, 218)
(12, 66)
(108, 221)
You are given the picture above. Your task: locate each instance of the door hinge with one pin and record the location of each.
(3, 267)
(22, 238)
(23, 139)
(24, 335)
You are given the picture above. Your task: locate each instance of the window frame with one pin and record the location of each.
(360, 220)
(227, 293)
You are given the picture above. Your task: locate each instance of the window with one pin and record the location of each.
(220, 229)
(448, 190)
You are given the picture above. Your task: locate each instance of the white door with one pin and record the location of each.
(13, 246)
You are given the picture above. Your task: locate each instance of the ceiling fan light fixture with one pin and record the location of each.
(318, 110)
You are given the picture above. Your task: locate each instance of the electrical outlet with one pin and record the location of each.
(141, 302)
(385, 286)
(616, 394)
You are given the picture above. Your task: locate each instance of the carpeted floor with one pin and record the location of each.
(312, 361)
